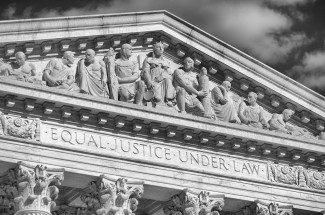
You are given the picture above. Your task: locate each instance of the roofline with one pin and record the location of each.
(162, 17)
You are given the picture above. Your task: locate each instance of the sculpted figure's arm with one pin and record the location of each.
(133, 77)
(241, 115)
(33, 69)
(263, 120)
(277, 123)
(222, 93)
(47, 71)
(103, 72)
(186, 85)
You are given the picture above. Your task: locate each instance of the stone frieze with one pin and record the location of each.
(16, 126)
(296, 176)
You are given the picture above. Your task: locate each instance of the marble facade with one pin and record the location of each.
(65, 152)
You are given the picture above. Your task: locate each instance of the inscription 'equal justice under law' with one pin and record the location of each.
(155, 152)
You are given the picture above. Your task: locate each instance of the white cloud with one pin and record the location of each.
(289, 2)
(246, 24)
(311, 71)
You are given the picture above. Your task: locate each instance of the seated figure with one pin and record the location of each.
(192, 89)
(123, 76)
(91, 76)
(59, 74)
(23, 70)
(5, 69)
(157, 76)
(252, 114)
(222, 104)
(279, 123)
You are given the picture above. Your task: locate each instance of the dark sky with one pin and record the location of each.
(287, 35)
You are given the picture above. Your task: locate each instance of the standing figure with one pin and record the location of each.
(192, 89)
(59, 74)
(91, 76)
(157, 76)
(123, 74)
(222, 104)
(251, 113)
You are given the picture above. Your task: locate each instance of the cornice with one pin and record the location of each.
(156, 123)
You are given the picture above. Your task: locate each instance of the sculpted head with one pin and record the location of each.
(20, 58)
(226, 85)
(158, 49)
(287, 114)
(68, 58)
(252, 98)
(188, 63)
(90, 55)
(126, 51)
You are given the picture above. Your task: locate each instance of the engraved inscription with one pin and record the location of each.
(155, 153)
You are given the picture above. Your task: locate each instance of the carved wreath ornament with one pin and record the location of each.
(19, 127)
(297, 176)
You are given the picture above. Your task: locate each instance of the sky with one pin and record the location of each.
(287, 35)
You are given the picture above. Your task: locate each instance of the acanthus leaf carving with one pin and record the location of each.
(29, 187)
(264, 208)
(190, 203)
(108, 196)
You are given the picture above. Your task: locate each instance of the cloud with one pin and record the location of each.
(249, 25)
(9, 12)
(311, 71)
(289, 2)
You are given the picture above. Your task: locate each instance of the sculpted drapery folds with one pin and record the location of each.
(91, 76)
(192, 90)
(252, 114)
(157, 76)
(222, 104)
(125, 73)
(59, 74)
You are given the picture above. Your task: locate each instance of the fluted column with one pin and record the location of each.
(26, 190)
(113, 196)
(191, 203)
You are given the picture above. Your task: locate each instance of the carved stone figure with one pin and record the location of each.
(158, 77)
(189, 203)
(251, 113)
(222, 104)
(114, 197)
(5, 69)
(125, 73)
(279, 123)
(20, 70)
(59, 74)
(3, 126)
(192, 89)
(91, 76)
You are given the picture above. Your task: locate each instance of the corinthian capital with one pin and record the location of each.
(113, 196)
(26, 188)
(190, 203)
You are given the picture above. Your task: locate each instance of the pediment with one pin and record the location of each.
(42, 39)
